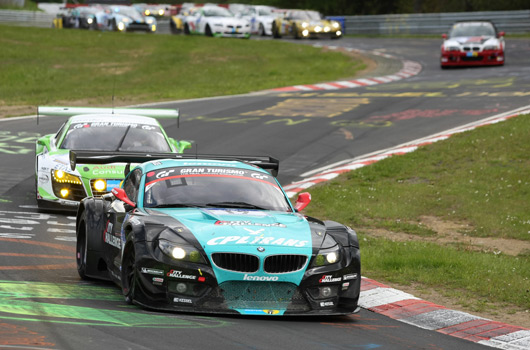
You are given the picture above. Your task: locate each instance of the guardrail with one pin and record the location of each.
(27, 18)
(435, 23)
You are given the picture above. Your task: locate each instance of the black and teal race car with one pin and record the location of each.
(215, 234)
(95, 129)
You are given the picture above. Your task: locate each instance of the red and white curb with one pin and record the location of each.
(407, 308)
(332, 171)
(410, 68)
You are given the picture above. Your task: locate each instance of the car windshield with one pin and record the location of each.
(265, 11)
(127, 11)
(115, 136)
(217, 187)
(472, 29)
(217, 11)
(307, 15)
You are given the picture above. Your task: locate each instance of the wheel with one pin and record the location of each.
(261, 30)
(275, 31)
(186, 29)
(113, 26)
(295, 32)
(128, 273)
(81, 248)
(208, 31)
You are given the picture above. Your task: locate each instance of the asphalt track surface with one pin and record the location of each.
(44, 304)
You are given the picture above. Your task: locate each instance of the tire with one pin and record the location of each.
(129, 273)
(261, 30)
(81, 249)
(186, 29)
(295, 32)
(113, 26)
(275, 31)
(208, 31)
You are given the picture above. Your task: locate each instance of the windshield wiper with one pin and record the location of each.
(122, 139)
(243, 205)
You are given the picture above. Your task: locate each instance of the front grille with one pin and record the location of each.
(284, 263)
(472, 59)
(263, 295)
(236, 262)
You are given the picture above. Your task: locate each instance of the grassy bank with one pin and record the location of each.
(453, 216)
(47, 66)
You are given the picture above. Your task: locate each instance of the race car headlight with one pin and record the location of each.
(218, 24)
(89, 20)
(305, 32)
(149, 20)
(121, 26)
(100, 185)
(160, 12)
(336, 25)
(452, 48)
(327, 29)
(318, 29)
(305, 24)
(63, 177)
(147, 12)
(328, 254)
(182, 252)
(491, 47)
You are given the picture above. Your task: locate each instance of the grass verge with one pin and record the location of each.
(47, 66)
(475, 187)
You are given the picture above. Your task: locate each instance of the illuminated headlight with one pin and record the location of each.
(63, 177)
(180, 251)
(100, 185)
(305, 25)
(147, 12)
(491, 47)
(327, 29)
(305, 32)
(149, 20)
(89, 20)
(328, 254)
(153, 28)
(338, 33)
(336, 25)
(121, 26)
(160, 12)
(318, 29)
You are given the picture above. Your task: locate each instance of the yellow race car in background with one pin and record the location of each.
(305, 24)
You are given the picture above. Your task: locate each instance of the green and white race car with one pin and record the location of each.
(130, 130)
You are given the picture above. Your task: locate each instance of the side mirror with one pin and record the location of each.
(180, 145)
(119, 193)
(302, 201)
(501, 34)
(444, 36)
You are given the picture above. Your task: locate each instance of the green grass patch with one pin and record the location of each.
(46, 66)
(479, 179)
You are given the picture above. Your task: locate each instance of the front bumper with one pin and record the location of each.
(189, 287)
(483, 58)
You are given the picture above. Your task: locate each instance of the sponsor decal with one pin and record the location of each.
(326, 303)
(352, 276)
(182, 300)
(260, 278)
(158, 281)
(253, 232)
(345, 285)
(151, 271)
(248, 223)
(109, 238)
(178, 274)
(329, 279)
(257, 240)
(164, 173)
(44, 178)
(259, 176)
(216, 171)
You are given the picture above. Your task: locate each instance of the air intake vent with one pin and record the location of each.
(284, 263)
(236, 262)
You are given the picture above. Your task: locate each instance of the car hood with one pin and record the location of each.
(254, 232)
(477, 40)
(227, 20)
(60, 160)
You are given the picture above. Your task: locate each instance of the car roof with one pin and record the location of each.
(121, 118)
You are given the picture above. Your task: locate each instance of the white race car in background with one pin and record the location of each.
(260, 18)
(472, 43)
(216, 21)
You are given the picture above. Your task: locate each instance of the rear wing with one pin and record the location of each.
(71, 111)
(101, 157)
